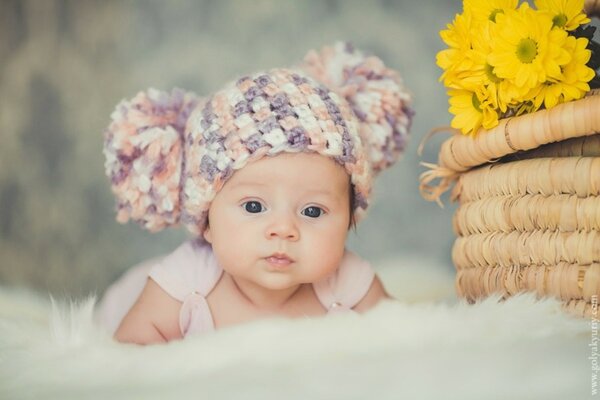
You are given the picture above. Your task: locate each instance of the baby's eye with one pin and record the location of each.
(313, 212)
(253, 207)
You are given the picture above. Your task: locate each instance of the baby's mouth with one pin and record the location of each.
(279, 259)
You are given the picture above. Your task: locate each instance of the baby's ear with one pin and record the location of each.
(207, 235)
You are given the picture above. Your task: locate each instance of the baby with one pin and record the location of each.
(268, 174)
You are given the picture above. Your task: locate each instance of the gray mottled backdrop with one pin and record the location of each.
(64, 65)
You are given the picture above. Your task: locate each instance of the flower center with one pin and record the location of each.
(489, 72)
(559, 20)
(527, 50)
(476, 102)
(495, 12)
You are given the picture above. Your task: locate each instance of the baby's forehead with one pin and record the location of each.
(293, 164)
(298, 184)
(303, 171)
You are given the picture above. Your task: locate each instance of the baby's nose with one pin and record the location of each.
(284, 227)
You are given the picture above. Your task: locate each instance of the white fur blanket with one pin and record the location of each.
(417, 348)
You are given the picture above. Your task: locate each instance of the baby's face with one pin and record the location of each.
(294, 205)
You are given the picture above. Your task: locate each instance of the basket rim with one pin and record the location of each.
(461, 153)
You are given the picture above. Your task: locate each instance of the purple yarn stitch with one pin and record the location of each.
(298, 80)
(262, 81)
(207, 112)
(360, 201)
(254, 142)
(410, 113)
(253, 92)
(160, 166)
(322, 92)
(279, 100)
(268, 125)
(297, 138)
(119, 176)
(189, 140)
(242, 107)
(360, 114)
(336, 115)
(204, 124)
(284, 111)
(347, 148)
(175, 101)
(208, 167)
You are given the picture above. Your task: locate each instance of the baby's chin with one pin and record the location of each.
(278, 281)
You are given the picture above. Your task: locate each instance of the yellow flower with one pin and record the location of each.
(501, 92)
(454, 60)
(525, 107)
(471, 111)
(487, 10)
(566, 14)
(576, 75)
(525, 48)
(548, 94)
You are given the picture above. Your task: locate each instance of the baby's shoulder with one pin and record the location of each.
(152, 318)
(155, 308)
(354, 272)
(348, 284)
(191, 268)
(354, 266)
(358, 280)
(167, 281)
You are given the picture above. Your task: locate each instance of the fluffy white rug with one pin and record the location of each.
(423, 347)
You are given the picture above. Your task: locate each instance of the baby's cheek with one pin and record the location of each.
(333, 261)
(228, 244)
(327, 255)
(231, 255)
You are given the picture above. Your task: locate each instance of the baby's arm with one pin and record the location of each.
(154, 318)
(374, 295)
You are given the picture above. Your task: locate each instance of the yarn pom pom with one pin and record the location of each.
(375, 93)
(143, 149)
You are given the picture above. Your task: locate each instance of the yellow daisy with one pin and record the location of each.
(576, 75)
(471, 111)
(566, 14)
(524, 107)
(454, 60)
(501, 92)
(487, 10)
(525, 48)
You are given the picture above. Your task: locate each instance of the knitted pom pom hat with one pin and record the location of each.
(168, 154)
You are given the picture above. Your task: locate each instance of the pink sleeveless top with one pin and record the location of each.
(190, 273)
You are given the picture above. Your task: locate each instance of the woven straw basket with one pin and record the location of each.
(529, 203)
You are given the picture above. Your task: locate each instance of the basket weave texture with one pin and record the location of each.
(592, 7)
(529, 205)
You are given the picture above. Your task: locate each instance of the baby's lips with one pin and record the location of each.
(279, 258)
(279, 261)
